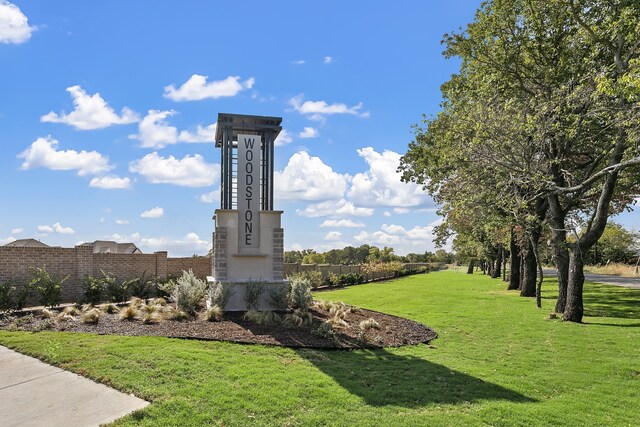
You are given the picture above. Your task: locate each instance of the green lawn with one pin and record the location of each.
(497, 361)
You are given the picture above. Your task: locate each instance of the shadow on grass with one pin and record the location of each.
(602, 300)
(382, 378)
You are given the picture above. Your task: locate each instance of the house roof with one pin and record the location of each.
(27, 243)
(109, 246)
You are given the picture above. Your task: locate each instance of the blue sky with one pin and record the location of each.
(107, 111)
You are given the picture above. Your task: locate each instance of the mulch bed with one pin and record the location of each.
(393, 332)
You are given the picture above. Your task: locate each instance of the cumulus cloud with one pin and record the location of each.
(91, 112)
(309, 178)
(156, 212)
(17, 231)
(381, 184)
(111, 182)
(155, 132)
(7, 240)
(197, 88)
(211, 197)
(328, 60)
(333, 236)
(122, 222)
(14, 25)
(55, 228)
(190, 171)
(403, 240)
(316, 110)
(341, 223)
(43, 153)
(308, 132)
(188, 245)
(334, 208)
(283, 138)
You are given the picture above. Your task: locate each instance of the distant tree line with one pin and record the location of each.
(362, 255)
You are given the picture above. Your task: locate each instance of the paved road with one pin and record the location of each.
(33, 393)
(625, 282)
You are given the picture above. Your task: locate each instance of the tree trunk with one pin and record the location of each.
(559, 249)
(514, 268)
(496, 271)
(521, 281)
(574, 310)
(470, 269)
(505, 256)
(530, 272)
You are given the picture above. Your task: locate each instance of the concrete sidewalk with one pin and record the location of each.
(33, 393)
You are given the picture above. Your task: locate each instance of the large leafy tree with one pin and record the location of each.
(543, 113)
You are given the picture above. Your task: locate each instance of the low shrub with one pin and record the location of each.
(219, 294)
(7, 292)
(350, 279)
(252, 294)
(140, 287)
(300, 297)
(130, 312)
(92, 289)
(116, 291)
(189, 292)
(49, 288)
(278, 297)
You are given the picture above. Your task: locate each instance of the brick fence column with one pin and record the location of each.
(161, 264)
(84, 268)
(219, 269)
(278, 253)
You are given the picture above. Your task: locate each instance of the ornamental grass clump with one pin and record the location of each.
(213, 314)
(109, 308)
(91, 316)
(298, 318)
(189, 292)
(47, 314)
(130, 312)
(151, 318)
(171, 313)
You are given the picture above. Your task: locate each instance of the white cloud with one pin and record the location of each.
(111, 182)
(338, 223)
(333, 208)
(43, 153)
(309, 178)
(381, 184)
(401, 211)
(14, 25)
(386, 213)
(7, 240)
(328, 60)
(299, 62)
(283, 138)
(122, 222)
(91, 112)
(190, 171)
(155, 132)
(197, 88)
(416, 239)
(315, 110)
(17, 231)
(156, 212)
(377, 238)
(186, 246)
(211, 197)
(333, 236)
(55, 228)
(308, 132)
(202, 134)
(102, 220)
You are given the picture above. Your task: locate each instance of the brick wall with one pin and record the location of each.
(16, 264)
(201, 266)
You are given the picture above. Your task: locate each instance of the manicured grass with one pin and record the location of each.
(498, 361)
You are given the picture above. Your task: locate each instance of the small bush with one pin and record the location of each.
(189, 292)
(91, 316)
(300, 297)
(22, 295)
(116, 291)
(278, 297)
(92, 289)
(268, 318)
(252, 294)
(7, 292)
(313, 276)
(219, 294)
(139, 287)
(159, 301)
(130, 312)
(48, 287)
(251, 315)
(213, 314)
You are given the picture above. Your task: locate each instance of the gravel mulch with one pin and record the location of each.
(393, 332)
